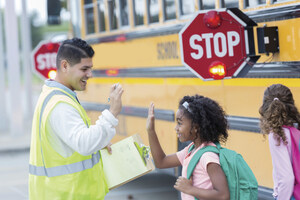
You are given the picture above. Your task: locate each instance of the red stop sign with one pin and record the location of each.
(222, 38)
(44, 58)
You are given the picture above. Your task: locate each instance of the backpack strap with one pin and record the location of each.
(218, 145)
(196, 157)
(192, 146)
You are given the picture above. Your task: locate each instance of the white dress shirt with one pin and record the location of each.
(68, 132)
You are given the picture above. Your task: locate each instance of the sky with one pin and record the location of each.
(39, 5)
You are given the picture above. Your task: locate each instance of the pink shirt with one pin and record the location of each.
(200, 175)
(283, 175)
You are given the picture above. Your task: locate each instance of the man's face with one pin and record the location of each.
(78, 74)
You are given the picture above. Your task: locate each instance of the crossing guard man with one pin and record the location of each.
(65, 162)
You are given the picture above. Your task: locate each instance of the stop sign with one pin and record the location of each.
(44, 58)
(218, 38)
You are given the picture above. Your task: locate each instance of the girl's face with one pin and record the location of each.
(184, 127)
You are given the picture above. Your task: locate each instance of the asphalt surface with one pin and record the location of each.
(14, 182)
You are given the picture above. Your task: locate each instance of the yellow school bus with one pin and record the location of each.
(136, 44)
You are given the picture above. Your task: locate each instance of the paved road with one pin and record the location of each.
(14, 177)
(148, 187)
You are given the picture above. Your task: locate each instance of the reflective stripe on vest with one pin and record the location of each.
(62, 169)
(65, 169)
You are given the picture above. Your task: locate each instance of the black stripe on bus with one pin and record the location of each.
(161, 114)
(276, 13)
(265, 193)
(264, 15)
(161, 30)
(248, 124)
(235, 122)
(265, 70)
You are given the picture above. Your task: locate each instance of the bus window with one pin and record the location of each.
(153, 10)
(207, 4)
(89, 16)
(275, 1)
(169, 9)
(186, 7)
(124, 12)
(139, 12)
(254, 3)
(230, 3)
(101, 20)
(112, 13)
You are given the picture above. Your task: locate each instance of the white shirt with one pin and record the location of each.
(68, 132)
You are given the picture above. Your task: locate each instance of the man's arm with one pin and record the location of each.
(68, 126)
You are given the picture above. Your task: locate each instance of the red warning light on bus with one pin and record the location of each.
(212, 19)
(217, 70)
(112, 72)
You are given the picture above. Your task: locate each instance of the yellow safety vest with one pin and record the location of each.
(52, 176)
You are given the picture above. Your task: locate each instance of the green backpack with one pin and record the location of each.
(241, 180)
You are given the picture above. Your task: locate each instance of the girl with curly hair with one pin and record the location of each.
(202, 121)
(278, 113)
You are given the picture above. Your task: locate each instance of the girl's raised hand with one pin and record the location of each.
(183, 184)
(151, 119)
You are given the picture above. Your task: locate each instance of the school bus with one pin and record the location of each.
(136, 44)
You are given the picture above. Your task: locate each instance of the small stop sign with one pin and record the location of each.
(44, 59)
(218, 44)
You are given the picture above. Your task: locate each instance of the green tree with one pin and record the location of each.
(36, 31)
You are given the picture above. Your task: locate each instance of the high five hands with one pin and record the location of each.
(151, 119)
(115, 99)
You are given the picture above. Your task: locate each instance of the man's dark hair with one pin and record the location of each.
(73, 50)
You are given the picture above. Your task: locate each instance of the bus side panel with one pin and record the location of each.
(255, 150)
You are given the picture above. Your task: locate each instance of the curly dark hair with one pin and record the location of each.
(73, 50)
(278, 109)
(207, 116)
